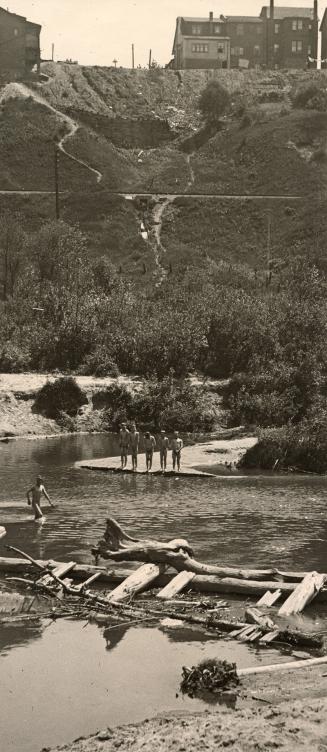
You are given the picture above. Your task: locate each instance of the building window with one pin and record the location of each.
(297, 46)
(309, 49)
(276, 28)
(221, 49)
(196, 29)
(300, 25)
(217, 29)
(276, 49)
(199, 48)
(259, 29)
(237, 51)
(297, 25)
(256, 50)
(16, 32)
(239, 30)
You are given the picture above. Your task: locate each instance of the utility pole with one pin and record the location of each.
(56, 166)
(133, 57)
(52, 52)
(150, 58)
(268, 248)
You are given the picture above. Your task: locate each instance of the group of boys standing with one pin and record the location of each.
(129, 441)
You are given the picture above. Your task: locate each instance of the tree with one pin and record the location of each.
(214, 101)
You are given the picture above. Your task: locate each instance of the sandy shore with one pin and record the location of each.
(200, 459)
(286, 713)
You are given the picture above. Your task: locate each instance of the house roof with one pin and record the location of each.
(193, 19)
(289, 12)
(8, 12)
(244, 19)
(324, 19)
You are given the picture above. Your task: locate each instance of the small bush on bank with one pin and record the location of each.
(60, 396)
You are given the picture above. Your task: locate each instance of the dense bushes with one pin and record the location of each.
(302, 447)
(60, 396)
(168, 404)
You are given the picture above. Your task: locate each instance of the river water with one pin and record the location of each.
(65, 680)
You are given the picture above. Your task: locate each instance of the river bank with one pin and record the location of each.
(18, 419)
(286, 712)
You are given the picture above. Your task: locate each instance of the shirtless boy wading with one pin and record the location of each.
(36, 492)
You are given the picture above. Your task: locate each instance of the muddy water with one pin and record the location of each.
(63, 681)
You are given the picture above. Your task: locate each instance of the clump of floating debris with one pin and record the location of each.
(208, 676)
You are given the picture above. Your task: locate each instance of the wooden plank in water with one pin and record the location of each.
(58, 571)
(303, 594)
(254, 616)
(136, 582)
(175, 586)
(269, 637)
(269, 598)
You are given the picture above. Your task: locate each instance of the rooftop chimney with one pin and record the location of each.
(211, 16)
(315, 10)
(271, 8)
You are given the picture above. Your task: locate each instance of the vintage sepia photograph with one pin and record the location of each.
(163, 376)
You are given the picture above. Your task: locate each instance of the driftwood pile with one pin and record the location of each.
(120, 604)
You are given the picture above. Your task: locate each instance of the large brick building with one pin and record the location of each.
(19, 45)
(281, 37)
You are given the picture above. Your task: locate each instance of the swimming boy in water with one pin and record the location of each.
(134, 444)
(36, 492)
(124, 441)
(177, 446)
(163, 448)
(149, 444)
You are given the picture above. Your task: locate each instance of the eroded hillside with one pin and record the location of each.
(123, 132)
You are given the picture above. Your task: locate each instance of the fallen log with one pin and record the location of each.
(136, 582)
(277, 667)
(268, 599)
(177, 553)
(303, 594)
(175, 586)
(202, 584)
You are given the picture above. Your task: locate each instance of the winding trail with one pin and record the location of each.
(22, 91)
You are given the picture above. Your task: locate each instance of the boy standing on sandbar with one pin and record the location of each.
(177, 446)
(149, 444)
(134, 444)
(163, 448)
(124, 441)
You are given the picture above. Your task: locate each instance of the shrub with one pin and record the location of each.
(214, 101)
(14, 358)
(304, 95)
(246, 121)
(271, 96)
(319, 155)
(99, 363)
(60, 396)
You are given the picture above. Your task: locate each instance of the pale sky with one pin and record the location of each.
(94, 32)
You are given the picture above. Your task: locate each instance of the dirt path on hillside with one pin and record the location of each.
(22, 91)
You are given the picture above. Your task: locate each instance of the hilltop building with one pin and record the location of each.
(280, 37)
(19, 45)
